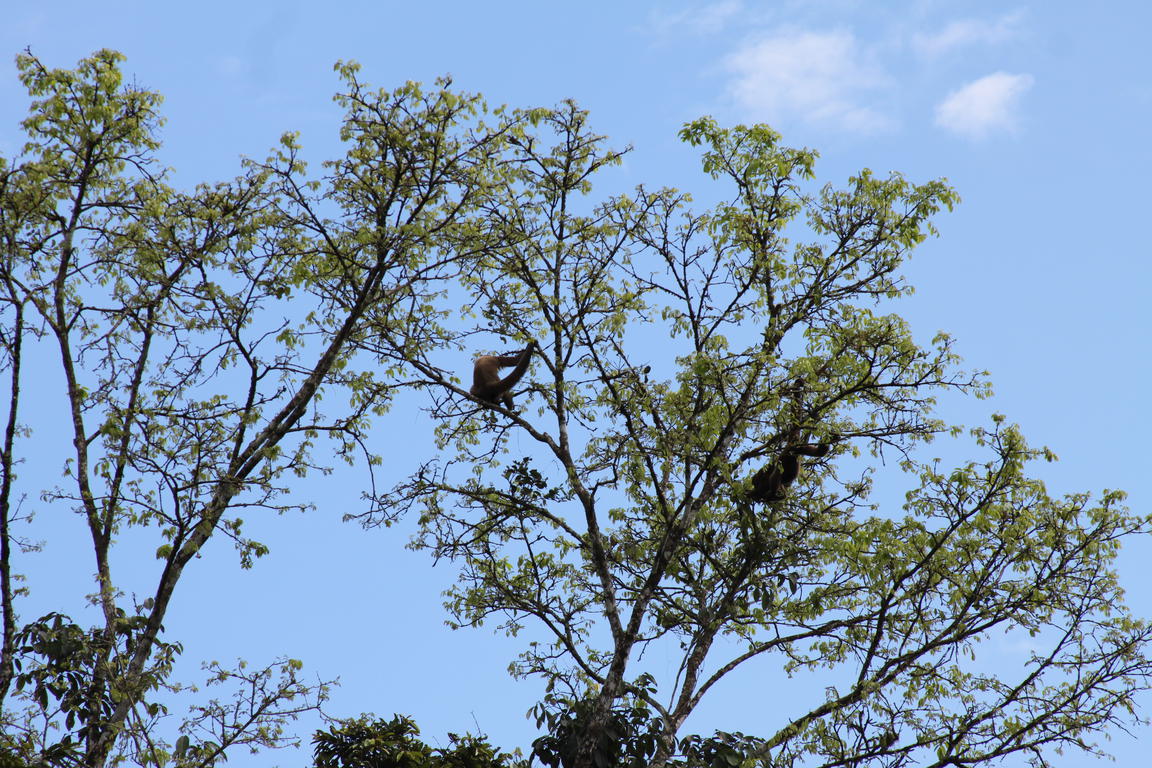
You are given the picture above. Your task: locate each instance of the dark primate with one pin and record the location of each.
(769, 483)
(486, 382)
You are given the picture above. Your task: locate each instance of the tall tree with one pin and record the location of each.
(638, 502)
(195, 332)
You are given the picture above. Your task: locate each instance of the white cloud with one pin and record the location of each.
(983, 106)
(968, 32)
(818, 77)
(708, 19)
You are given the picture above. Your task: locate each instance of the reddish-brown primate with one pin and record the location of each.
(486, 382)
(769, 483)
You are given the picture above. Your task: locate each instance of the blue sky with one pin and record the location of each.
(1037, 112)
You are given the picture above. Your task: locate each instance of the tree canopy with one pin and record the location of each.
(688, 358)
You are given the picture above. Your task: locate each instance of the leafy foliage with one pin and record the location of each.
(627, 739)
(56, 662)
(367, 742)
